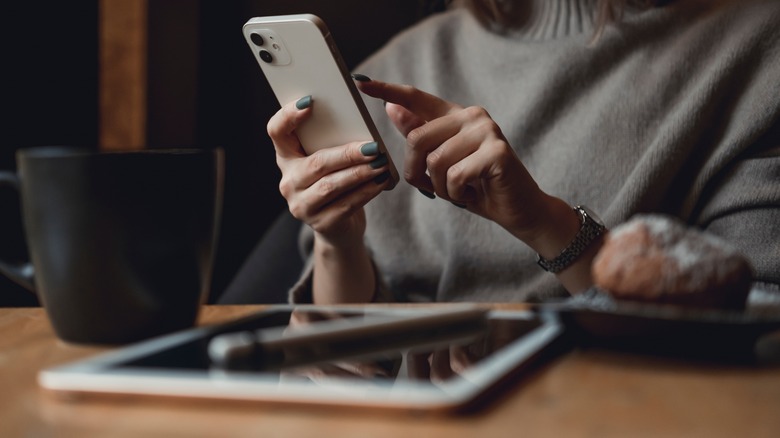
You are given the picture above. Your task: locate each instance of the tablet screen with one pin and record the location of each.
(433, 375)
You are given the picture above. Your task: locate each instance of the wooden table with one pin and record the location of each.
(582, 393)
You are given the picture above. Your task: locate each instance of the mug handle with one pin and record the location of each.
(22, 273)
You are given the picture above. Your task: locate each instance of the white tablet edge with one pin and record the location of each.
(91, 375)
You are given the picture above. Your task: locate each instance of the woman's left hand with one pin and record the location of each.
(461, 155)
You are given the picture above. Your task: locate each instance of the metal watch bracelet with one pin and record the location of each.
(591, 227)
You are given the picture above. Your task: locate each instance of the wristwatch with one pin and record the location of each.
(591, 227)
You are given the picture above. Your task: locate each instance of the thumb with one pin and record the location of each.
(403, 119)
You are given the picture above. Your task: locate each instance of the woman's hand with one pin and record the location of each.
(327, 189)
(461, 155)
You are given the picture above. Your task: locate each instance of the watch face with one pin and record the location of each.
(591, 214)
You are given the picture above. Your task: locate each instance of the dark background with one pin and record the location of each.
(204, 90)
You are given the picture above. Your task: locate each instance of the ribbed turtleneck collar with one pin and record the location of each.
(547, 19)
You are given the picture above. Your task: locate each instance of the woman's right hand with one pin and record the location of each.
(327, 189)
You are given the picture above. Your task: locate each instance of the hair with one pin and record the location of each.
(611, 11)
(498, 15)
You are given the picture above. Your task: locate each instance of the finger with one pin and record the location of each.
(323, 373)
(440, 366)
(330, 201)
(460, 360)
(489, 162)
(281, 128)
(420, 142)
(443, 160)
(417, 366)
(434, 147)
(310, 169)
(362, 369)
(333, 217)
(425, 105)
(403, 119)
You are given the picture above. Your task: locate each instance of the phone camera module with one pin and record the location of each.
(266, 56)
(257, 39)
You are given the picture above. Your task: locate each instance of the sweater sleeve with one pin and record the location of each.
(744, 208)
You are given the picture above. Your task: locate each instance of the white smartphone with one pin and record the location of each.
(299, 58)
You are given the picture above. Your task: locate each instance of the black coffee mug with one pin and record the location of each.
(121, 243)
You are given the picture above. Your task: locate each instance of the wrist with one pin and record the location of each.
(343, 248)
(343, 272)
(555, 227)
(590, 232)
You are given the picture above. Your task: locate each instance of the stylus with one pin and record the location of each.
(272, 349)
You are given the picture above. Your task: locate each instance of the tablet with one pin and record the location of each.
(438, 373)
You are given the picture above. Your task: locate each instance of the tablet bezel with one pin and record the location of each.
(97, 375)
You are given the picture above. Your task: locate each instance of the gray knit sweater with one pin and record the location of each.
(674, 110)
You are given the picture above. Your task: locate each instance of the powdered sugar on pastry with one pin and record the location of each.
(656, 258)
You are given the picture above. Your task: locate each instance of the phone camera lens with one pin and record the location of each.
(266, 56)
(257, 39)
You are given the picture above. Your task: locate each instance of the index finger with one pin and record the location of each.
(424, 105)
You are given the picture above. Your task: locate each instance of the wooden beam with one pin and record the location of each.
(123, 74)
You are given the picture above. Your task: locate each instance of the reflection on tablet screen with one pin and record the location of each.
(427, 371)
(438, 363)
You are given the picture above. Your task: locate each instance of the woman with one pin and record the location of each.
(517, 113)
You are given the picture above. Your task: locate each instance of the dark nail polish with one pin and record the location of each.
(458, 205)
(378, 162)
(369, 149)
(427, 193)
(379, 179)
(303, 103)
(360, 78)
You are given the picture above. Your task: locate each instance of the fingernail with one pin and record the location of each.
(379, 179)
(458, 205)
(369, 149)
(360, 78)
(378, 162)
(303, 103)
(427, 193)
